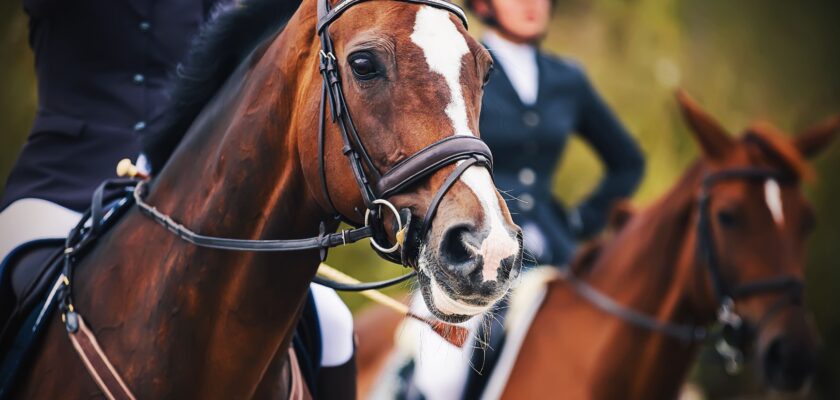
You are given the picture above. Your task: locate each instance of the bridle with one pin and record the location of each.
(734, 333)
(375, 187)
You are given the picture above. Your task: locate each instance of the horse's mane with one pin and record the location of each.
(664, 222)
(222, 43)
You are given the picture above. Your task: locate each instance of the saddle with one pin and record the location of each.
(29, 281)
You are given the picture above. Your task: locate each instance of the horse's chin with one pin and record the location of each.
(443, 306)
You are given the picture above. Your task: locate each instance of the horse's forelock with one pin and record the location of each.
(777, 149)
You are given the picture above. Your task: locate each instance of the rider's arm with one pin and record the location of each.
(618, 151)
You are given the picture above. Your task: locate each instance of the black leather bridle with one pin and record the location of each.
(375, 186)
(734, 334)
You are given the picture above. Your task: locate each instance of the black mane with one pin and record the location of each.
(221, 45)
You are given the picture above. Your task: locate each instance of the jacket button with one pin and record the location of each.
(527, 176)
(140, 125)
(530, 119)
(145, 26)
(138, 78)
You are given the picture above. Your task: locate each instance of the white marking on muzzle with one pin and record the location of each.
(773, 198)
(498, 245)
(450, 306)
(444, 47)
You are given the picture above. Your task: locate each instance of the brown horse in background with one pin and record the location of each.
(181, 322)
(651, 265)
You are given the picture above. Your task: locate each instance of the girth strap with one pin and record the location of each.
(96, 362)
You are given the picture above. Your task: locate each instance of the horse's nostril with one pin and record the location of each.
(454, 249)
(787, 367)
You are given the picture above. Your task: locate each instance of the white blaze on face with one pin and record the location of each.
(444, 47)
(773, 198)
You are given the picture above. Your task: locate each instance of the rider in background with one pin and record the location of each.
(532, 103)
(104, 72)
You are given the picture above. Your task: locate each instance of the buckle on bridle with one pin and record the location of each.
(726, 313)
(326, 56)
(732, 356)
(400, 228)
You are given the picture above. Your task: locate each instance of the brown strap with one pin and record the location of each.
(97, 364)
(430, 159)
(299, 390)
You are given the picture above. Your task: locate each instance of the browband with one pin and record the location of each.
(325, 17)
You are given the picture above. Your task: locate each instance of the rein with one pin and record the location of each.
(734, 333)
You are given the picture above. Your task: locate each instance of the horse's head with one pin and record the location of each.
(411, 77)
(753, 224)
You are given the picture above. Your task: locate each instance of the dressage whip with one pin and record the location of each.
(454, 334)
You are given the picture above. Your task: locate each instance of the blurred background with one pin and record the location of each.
(777, 60)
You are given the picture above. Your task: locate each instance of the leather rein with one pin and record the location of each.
(734, 333)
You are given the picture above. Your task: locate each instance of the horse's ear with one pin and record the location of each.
(815, 139)
(713, 139)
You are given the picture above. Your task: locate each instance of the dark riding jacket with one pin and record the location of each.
(102, 69)
(528, 142)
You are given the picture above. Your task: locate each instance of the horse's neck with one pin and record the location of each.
(651, 267)
(217, 317)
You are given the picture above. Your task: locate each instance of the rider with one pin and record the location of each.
(103, 70)
(532, 103)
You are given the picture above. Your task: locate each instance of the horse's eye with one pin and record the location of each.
(727, 219)
(364, 66)
(487, 76)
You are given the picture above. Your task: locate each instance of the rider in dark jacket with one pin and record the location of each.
(532, 103)
(102, 68)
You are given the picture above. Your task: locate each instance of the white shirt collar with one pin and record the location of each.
(519, 62)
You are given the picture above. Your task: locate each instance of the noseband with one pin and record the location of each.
(734, 333)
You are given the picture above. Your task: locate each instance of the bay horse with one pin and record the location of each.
(253, 154)
(725, 244)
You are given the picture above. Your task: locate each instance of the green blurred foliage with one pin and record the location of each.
(770, 59)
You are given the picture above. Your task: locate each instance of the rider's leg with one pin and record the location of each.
(29, 219)
(337, 376)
